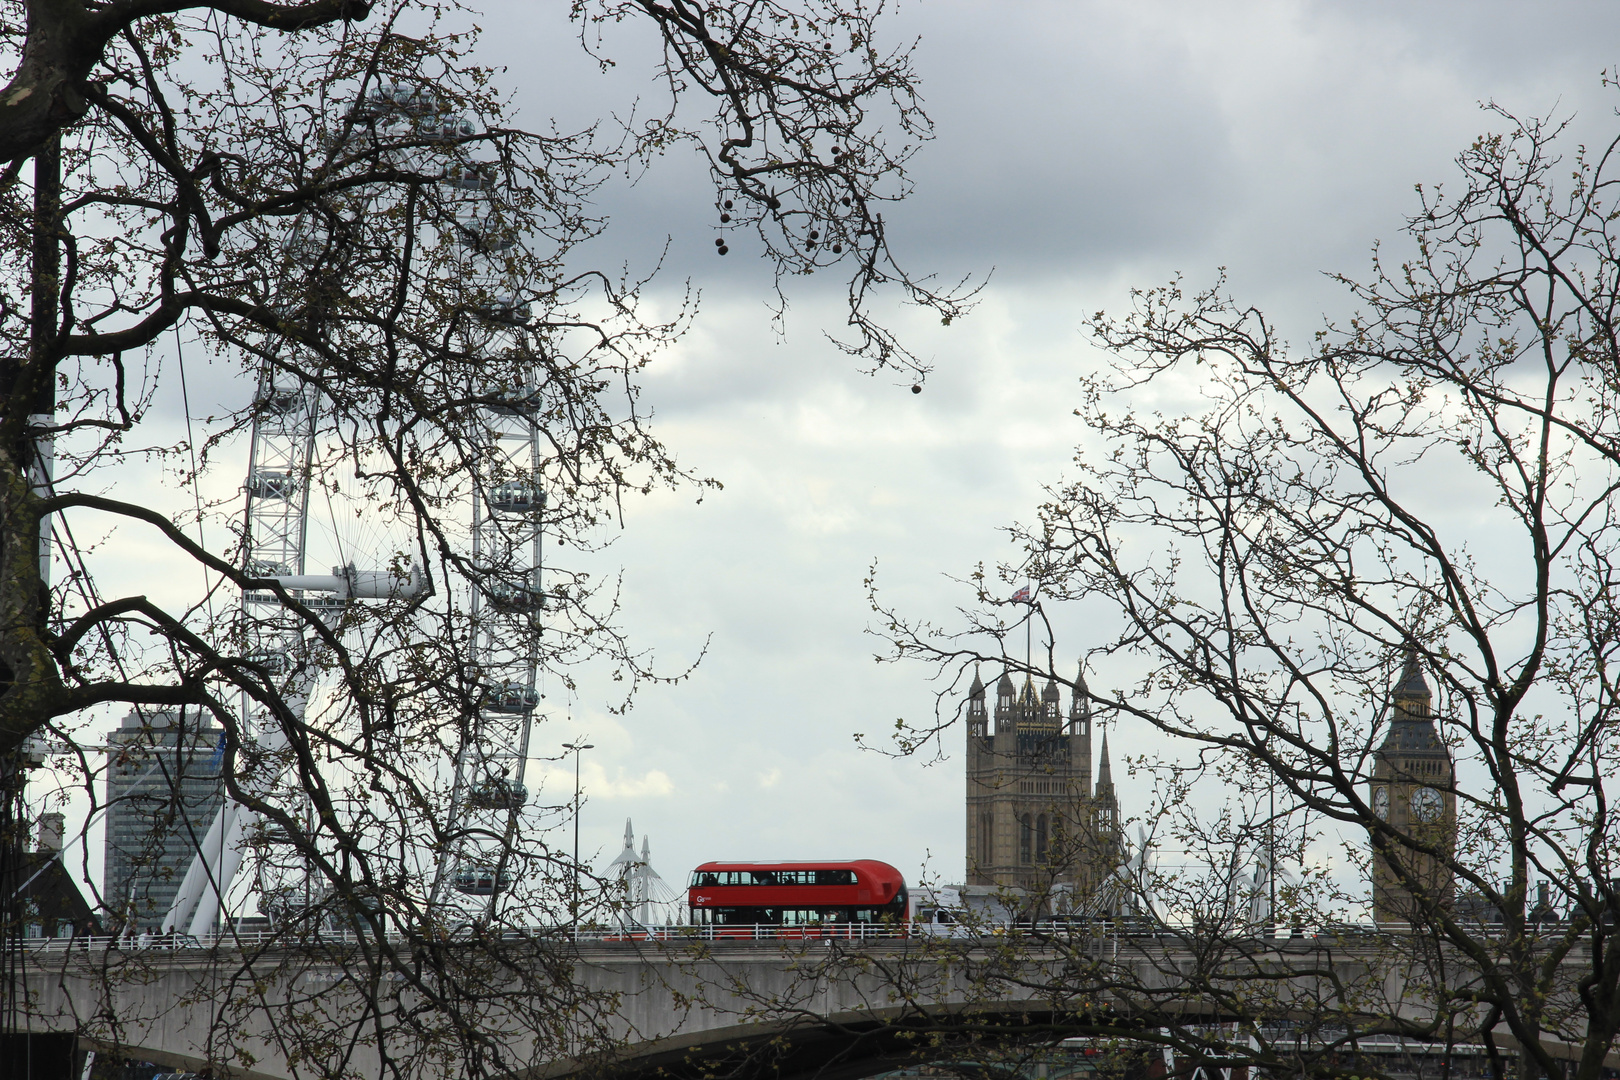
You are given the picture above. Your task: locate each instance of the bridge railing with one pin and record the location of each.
(586, 933)
(753, 932)
(598, 934)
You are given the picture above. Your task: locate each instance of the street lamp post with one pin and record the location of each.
(1271, 856)
(1271, 824)
(576, 747)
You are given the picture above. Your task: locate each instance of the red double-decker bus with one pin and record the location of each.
(800, 898)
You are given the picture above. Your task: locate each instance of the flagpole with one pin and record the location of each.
(1026, 596)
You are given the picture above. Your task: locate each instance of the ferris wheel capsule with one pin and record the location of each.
(484, 235)
(516, 401)
(445, 128)
(517, 599)
(517, 497)
(280, 400)
(473, 176)
(510, 697)
(273, 662)
(497, 793)
(271, 484)
(410, 100)
(507, 309)
(378, 100)
(388, 99)
(478, 879)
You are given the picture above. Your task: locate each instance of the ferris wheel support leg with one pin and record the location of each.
(204, 864)
(214, 866)
(230, 860)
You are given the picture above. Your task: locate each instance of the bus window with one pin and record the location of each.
(800, 916)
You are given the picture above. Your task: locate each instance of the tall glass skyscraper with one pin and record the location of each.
(163, 789)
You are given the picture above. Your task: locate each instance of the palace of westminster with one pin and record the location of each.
(1036, 822)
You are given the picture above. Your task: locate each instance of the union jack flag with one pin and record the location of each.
(1021, 596)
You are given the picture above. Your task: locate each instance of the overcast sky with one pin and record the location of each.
(1082, 149)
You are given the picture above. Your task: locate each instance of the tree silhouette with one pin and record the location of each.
(332, 199)
(1365, 588)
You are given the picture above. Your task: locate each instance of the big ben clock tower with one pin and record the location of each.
(1413, 790)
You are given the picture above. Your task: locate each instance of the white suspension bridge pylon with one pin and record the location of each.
(645, 899)
(409, 130)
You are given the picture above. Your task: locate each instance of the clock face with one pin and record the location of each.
(1426, 804)
(1380, 802)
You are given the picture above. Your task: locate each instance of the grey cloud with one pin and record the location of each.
(1083, 148)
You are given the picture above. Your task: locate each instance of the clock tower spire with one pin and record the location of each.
(1414, 791)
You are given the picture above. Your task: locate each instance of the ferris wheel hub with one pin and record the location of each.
(351, 584)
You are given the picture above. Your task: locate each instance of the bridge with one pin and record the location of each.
(675, 1005)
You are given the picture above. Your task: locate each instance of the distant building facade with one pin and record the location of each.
(1413, 789)
(163, 790)
(49, 901)
(1034, 819)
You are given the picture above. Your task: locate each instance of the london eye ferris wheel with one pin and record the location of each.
(315, 489)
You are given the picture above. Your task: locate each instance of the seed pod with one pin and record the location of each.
(719, 242)
(724, 218)
(727, 204)
(838, 249)
(724, 249)
(915, 389)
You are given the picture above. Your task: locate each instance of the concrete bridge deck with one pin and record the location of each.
(836, 1007)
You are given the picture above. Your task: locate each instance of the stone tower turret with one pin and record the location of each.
(1051, 706)
(1107, 813)
(978, 721)
(1080, 730)
(1004, 703)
